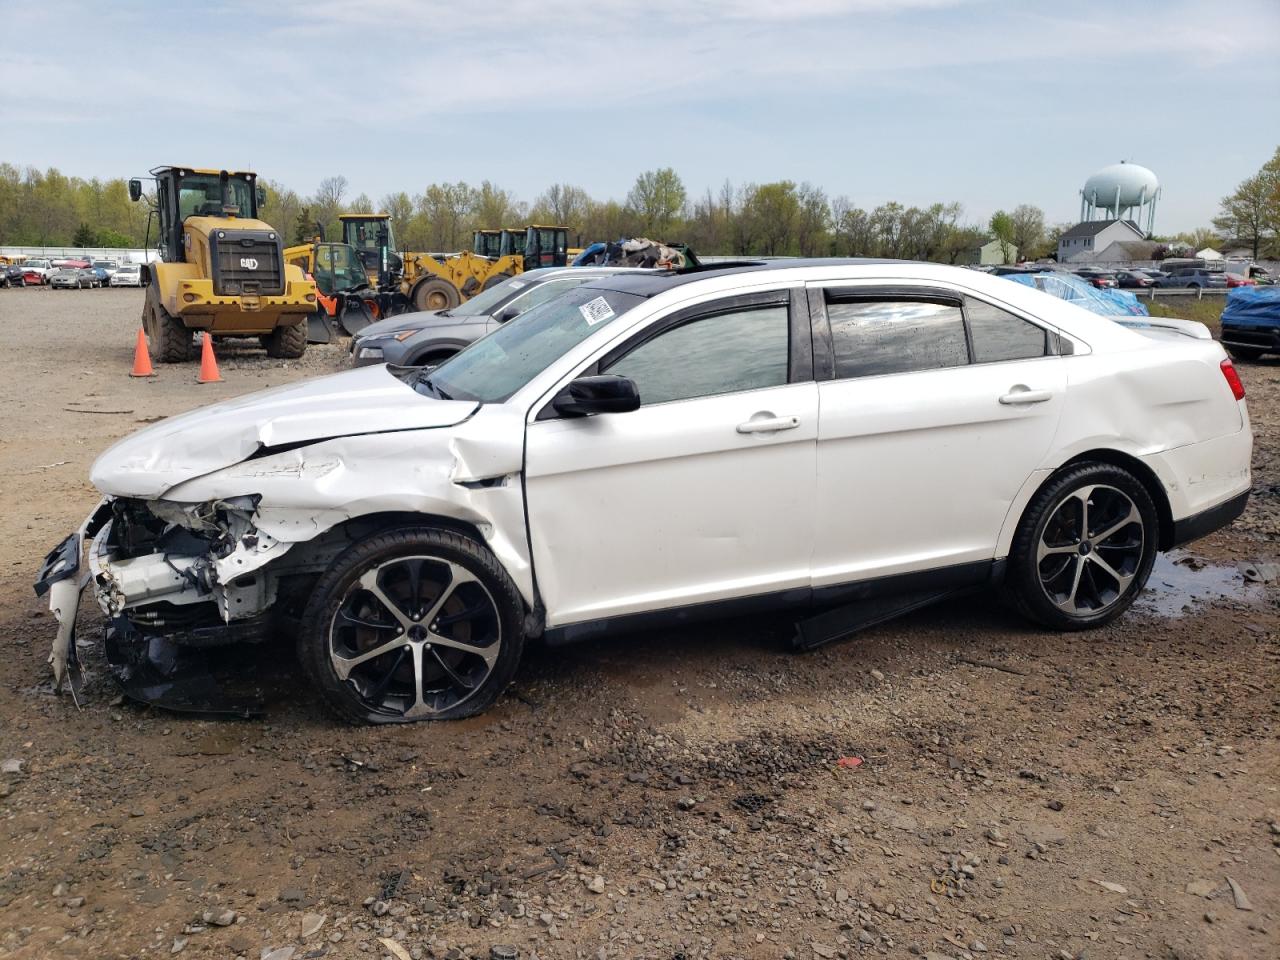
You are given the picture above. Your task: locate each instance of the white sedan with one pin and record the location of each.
(816, 434)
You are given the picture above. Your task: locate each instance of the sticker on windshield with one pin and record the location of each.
(517, 284)
(596, 311)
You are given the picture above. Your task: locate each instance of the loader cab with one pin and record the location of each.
(337, 267)
(373, 239)
(182, 193)
(487, 243)
(546, 247)
(512, 243)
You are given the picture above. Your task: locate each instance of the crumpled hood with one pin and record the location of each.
(364, 400)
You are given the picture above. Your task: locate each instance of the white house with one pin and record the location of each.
(1086, 240)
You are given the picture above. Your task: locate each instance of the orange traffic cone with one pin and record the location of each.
(141, 358)
(208, 363)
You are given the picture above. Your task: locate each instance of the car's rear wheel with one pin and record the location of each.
(1084, 548)
(1248, 354)
(414, 624)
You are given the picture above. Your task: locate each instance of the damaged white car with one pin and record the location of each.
(852, 438)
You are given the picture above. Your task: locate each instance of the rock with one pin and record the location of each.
(220, 918)
(503, 951)
(280, 953)
(379, 908)
(1201, 888)
(75, 903)
(596, 884)
(12, 765)
(311, 923)
(179, 944)
(59, 889)
(1055, 805)
(291, 895)
(1242, 902)
(686, 803)
(824, 951)
(876, 675)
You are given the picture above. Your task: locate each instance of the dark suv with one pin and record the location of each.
(11, 275)
(1195, 278)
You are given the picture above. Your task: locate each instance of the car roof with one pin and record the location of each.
(650, 283)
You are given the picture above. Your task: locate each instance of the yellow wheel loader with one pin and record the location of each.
(221, 269)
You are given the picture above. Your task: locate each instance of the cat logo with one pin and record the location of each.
(249, 263)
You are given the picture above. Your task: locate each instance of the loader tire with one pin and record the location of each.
(288, 341)
(496, 279)
(436, 294)
(169, 339)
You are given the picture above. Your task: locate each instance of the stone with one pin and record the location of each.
(1201, 888)
(824, 951)
(280, 953)
(220, 918)
(12, 765)
(311, 923)
(596, 884)
(179, 944)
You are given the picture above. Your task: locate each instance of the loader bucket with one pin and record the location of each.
(355, 316)
(319, 327)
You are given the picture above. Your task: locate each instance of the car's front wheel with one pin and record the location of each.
(1084, 548)
(419, 623)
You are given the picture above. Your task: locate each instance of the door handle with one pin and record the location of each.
(1020, 393)
(767, 423)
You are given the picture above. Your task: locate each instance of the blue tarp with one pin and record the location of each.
(1066, 286)
(1250, 306)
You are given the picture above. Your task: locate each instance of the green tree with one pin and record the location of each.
(1028, 230)
(658, 200)
(1002, 229)
(1249, 214)
(84, 236)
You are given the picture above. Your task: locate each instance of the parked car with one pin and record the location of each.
(109, 267)
(412, 339)
(12, 275)
(1096, 277)
(77, 277)
(1105, 301)
(1195, 278)
(37, 271)
(1238, 280)
(662, 446)
(1251, 322)
(127, 275)
(1134, 280)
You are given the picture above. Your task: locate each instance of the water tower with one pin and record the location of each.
(1120, 191)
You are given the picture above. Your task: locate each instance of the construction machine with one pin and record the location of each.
(344, 294)
(221, 269)
(440, 281)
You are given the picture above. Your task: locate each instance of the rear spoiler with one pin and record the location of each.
(1188, 328)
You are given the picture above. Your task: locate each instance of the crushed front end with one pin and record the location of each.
(174, 581)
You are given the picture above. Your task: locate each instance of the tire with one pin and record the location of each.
(435, 294)
(288, 341)
(168, 338)
(344, 620)
(1082, 583)
(496, 279)
(1246, 354)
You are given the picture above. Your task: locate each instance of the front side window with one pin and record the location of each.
(999, 335)
(874, 337)
(727, 352)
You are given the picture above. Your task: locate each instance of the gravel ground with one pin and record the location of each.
(679, 794)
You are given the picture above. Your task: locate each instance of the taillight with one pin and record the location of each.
(1233, 380)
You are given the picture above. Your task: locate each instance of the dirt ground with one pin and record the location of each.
(668, 795)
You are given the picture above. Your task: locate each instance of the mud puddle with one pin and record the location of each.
(1181, 581)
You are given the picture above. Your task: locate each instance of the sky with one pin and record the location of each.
(990, 103)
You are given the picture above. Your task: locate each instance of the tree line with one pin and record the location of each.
(782, 218)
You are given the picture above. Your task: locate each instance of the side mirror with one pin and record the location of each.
(262, 198)
(603, 394)
(508, 313)
(144, 274)
(135, 190)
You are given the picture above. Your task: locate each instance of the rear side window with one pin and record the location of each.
(999, 335)
(876, 337)
(728, 352)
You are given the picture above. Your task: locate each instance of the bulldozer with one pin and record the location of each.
(221, 269)
(440, 281)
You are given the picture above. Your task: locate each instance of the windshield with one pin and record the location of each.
(42, 264)
(104, 264)
(496, 366)
(488, 301)
(200, 195)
